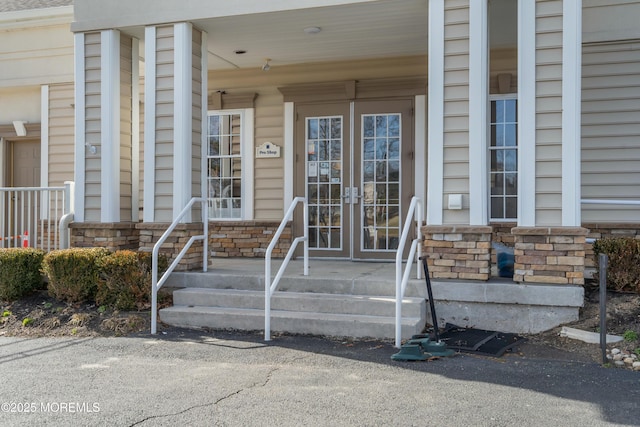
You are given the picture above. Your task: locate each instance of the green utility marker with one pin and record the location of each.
(420, 347)
(410, 352)
(436, 349)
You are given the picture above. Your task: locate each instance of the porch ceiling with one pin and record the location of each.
(377, 29)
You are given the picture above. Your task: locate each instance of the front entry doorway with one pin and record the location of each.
(354, 164)
(22, 170)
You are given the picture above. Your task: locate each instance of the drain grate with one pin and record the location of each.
(479, 341)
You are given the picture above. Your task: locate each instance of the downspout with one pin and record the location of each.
(63, 228)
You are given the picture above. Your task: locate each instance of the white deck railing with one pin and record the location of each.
(157, 284)
(271, 286)
(30, 216)
(402, 277)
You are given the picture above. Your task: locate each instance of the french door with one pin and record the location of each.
(354, 165)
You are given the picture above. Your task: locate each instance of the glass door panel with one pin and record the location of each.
(383, 169)
(324, 183)
(358, 191)
(323, 159)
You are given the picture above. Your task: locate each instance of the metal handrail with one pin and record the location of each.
(402, 277)
(271, 286)
(157, 284)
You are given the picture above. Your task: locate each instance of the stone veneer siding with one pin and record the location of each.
(599, 231)
(111, 235)
(248, 239)
(150, 233)
(553, 255)
(458, 252)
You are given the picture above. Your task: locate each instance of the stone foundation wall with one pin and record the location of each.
(599, 231)
(150, 233)
(226, 239)
(458, 252)
(247, 239)
(554, 255)
(113, 235)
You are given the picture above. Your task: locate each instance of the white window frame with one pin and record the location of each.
(246, 159)
(502, 97)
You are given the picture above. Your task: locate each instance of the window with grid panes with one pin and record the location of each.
(503, 152)
(224, 165)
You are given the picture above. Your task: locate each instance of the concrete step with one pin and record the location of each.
(300, 301)
(348, 325)
(354, 284)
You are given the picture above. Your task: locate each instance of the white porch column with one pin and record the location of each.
(571, 111)
(289, 123)
(135, 130)
(80, 114)
(182, 116)
(110, 126)
(149, 172)
(435, 161)
(175, 120)
(526, 113)
(478, 101)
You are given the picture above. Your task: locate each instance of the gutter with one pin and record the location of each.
(30, 18)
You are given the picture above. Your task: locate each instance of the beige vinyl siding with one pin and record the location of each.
(456, 107)
(548, 113)
(164, 124)
(61, 134)
(268, 176)
(611, 129)
(269, 110)
(196, 146)
(93, 134)
(610, 20)
(125, 127)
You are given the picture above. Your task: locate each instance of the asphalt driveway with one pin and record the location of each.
(227, 379)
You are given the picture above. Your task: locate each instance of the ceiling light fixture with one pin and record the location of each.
(266, 66)
(19, 126)
(312, 30)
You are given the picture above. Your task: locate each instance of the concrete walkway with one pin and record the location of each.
(190, 378)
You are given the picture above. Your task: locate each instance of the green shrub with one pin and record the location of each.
(125, 282)
(19, 272)
(74, 273)
(623, 271)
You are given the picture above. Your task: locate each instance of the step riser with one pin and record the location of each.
(303, 303)
(249, 322)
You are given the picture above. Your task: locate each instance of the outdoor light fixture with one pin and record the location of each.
(18, 125)
(266, 66)
(92, 148)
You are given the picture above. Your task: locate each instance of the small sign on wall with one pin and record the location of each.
(267, 149)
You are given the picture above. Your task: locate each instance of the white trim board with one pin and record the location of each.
(80, 128)
(435, 159)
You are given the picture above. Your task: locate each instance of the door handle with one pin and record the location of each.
(346, 195)
(354, 195)
(350, 195)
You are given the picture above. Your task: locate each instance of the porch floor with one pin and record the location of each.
(318, 268)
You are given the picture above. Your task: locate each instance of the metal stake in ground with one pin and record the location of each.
(603, 261)
(432, 306)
